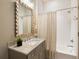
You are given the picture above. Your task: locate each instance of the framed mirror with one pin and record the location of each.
(25, 21)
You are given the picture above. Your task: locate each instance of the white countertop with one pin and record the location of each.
(27, 46)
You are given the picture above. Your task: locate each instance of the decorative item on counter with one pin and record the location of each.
(19, 41)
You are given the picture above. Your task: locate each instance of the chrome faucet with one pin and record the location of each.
(72, 40)
(70, 46)
(72, 43)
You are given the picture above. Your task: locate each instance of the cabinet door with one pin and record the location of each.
(38, 52)
(42, 51)
(34, 54)
(31, 55)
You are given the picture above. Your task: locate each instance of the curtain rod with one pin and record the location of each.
(66, 8)
(59, 10)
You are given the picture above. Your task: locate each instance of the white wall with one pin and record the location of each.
(7, 16)
(40, 6)
(42, 20)
(57, 4)
(63, 29)
(42, 26)
(74, 28)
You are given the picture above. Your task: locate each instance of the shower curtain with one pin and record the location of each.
(47, 30)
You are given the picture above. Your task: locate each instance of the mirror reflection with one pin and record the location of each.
(25, 19)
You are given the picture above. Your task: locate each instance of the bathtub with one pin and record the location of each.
(65, 54)
(67, 34)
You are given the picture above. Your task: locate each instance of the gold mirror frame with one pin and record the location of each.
(33, 26)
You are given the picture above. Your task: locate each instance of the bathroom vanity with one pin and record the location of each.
(31, 49)
(26, 26)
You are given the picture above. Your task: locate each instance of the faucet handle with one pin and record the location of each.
(72, 40)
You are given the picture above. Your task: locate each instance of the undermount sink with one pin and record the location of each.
(32, 42)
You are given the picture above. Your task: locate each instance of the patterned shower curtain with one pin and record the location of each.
(47, 30)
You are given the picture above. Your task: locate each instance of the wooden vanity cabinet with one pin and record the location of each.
(37, 53)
